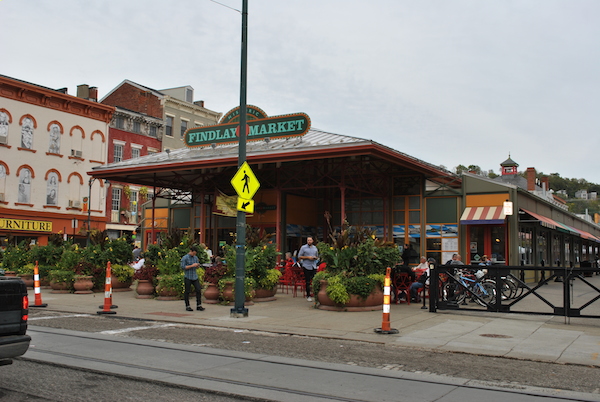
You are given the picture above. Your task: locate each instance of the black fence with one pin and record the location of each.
(568, 292)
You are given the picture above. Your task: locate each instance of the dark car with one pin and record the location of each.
(14, 310)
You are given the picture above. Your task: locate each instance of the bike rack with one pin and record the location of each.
(517, 273)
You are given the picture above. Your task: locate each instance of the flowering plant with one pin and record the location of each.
(214, 273)
(357, 252)
(355, 262)
(148, 273)
(260, 258)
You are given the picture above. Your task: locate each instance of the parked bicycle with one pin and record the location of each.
(465, 284)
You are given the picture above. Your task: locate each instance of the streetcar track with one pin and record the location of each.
(496, 388)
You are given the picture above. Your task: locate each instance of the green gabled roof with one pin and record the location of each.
(509, 162)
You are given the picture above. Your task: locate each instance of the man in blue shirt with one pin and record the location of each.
(308, 257)
(189, 263)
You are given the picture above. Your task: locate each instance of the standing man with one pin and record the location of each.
(308, 257)
(189, 263)
(136, 253)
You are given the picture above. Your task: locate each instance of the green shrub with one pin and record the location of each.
(60, 275)
(171, 283)
(123, 273)
(336, 290)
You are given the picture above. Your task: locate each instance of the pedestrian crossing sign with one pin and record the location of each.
(245, 182)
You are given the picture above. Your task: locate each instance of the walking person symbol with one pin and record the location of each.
(246, 179)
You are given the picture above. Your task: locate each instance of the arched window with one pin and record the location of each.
(54, 132)
(4, 121)
(52, 189)
(27, 133)
(24, 186)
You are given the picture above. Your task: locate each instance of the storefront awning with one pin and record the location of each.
(587, 235)
(544, 221)
(567, 228)
(483, 216)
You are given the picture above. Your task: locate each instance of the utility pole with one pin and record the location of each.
(240, 244)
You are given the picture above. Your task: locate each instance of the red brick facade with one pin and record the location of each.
(133, 98)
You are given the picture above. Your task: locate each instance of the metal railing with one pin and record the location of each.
(568, 292)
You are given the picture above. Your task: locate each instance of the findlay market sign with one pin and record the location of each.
(259, 127)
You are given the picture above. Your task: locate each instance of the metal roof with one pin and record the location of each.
(314, 140)
(315, 144)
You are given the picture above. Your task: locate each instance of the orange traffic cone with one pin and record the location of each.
(107, 294)
(37, 289)
(385, 325)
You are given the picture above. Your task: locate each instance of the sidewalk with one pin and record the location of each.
(530, 337)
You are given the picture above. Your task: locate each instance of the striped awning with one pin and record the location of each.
(587, 235)
(483, 215)
(567, 229)
(544, 221)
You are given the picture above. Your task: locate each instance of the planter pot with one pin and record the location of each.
(28, 279)
(10, 273)
(59, 287)
(83, 285)
(118, 286)
(228, 296)
(227, 293)
(373, 302)
(145, 289)
(211, 293)
(265, 295)
(45, 283)
(167, 294)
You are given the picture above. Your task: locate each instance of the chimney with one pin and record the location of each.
(530, 179)
(199, 103)
(83, 91)
(94, 94)
(546, 183)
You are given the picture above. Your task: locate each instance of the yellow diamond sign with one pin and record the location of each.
(245, 182)
(245, 205)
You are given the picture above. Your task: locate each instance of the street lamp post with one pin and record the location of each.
(89, 220)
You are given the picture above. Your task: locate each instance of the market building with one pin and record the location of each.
(305, 175)
(308, 177)
(539, 232)
(48, 142)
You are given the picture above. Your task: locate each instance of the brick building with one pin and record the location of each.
(48, 141)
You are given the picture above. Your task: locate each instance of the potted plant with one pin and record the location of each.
(266, 285)
(227, 289)
(121, 277)
(83, 284)
(170, 287)
(145, 277)
(26, 274)
(355, 265)
(15, 257)
(61, 280)
(212, 275)
(260, 262)
(170, 275)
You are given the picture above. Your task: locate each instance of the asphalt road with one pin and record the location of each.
(511, 372)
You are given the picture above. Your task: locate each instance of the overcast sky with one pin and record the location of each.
(450, 82)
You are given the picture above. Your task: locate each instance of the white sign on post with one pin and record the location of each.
(508, 208)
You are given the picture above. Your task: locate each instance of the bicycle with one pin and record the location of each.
(482, 291)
